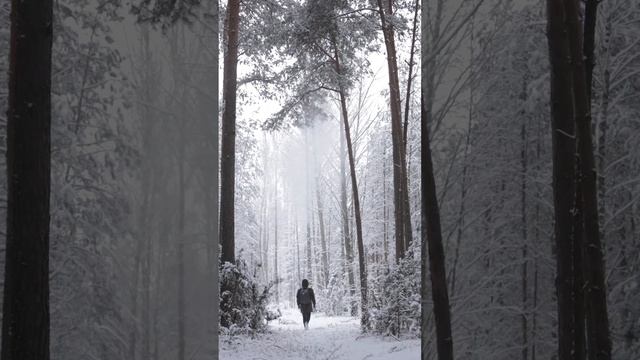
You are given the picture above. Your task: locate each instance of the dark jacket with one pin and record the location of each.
(306, 307)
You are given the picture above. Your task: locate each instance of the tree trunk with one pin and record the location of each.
(588, 49)
(263, 206)
(432, 243)
(323, 242)
(401, 196)
(309, 262)
(364, 311)
(356, 204)
(25, 325)
(275, 232)
(590, 12)
(564, 187)
(228, 147)
(265, 220)
(346, 234)
(596, 297)
(414, 33)
(314, 246)
(578, 270)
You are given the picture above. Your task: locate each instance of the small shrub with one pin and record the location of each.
(395, 304)
(243, 302)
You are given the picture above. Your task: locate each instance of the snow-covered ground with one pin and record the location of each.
(328, 338)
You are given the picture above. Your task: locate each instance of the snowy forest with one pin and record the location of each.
(453, 178)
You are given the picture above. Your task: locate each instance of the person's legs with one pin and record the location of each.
(305, 318)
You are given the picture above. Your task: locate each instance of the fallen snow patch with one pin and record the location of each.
(328, 338)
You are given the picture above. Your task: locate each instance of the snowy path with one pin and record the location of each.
(328, 338)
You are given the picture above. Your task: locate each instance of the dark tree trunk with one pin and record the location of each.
(364, 315)
(564, 187)
(407, 102)
(590, 12)
(589, 56)
(432, 243)
(401, 197)
(25, 326)
(228, 147)
(596, 297)
(356, 204)
(346, 234)
(579, 268)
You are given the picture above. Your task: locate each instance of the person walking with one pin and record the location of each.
(306, 302)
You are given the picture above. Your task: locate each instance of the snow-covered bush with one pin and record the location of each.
(395, 306)
(243, 301)
(335, 298)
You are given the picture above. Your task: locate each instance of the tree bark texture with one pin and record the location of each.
(599, 341)
(563, 142)
(25, 326)
(228, 146)
(401, 197)
(432, 243)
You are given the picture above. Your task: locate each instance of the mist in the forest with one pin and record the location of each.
(177, 217)
(133, 196)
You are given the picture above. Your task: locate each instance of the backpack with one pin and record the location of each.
(305, 296)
